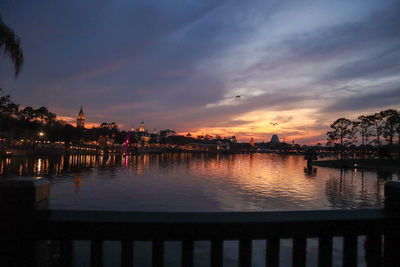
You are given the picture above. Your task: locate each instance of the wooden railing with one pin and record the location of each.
(380, 226)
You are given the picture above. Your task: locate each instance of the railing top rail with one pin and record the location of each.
(210, 217)
(114, 225)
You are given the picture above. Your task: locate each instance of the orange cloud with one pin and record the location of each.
(262, 124)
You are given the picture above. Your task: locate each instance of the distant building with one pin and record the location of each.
(141, 127)
(106, 141)
(233, 139)
(209, 147)
(80, 120)
(252, 142)
(274, 139)
(142, 135)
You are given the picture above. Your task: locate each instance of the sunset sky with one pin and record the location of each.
(181, 64)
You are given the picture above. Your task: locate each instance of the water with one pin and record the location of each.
(202, 182)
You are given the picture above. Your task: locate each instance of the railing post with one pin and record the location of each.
(245, 250)
(96, 253)
(217, 251)
(19, 198)
(350, 251)
(127, 250)
(325, 251)
(373, 250)
(158, 253)
(67, 253)
(187, 253)
(392, 227)
(299, 251)
(272, 252)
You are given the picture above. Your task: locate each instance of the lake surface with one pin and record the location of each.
(200, 182)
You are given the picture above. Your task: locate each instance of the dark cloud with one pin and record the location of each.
(378, 100)
(370, 44)
(325, 43)
(282, 119)
(376, 65)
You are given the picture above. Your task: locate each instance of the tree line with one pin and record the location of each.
(26, 123)
(381, 128)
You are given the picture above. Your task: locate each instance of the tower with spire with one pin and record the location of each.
(141, 127)
(80, 120)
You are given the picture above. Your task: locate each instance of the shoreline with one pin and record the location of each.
(17, 152)
(367, 164)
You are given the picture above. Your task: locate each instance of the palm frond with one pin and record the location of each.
(10, 46)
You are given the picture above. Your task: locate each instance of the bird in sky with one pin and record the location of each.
(273, 123)
(238, 97)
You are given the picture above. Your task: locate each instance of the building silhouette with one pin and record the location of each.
(141, 134)
(274, 139)
(80, 120)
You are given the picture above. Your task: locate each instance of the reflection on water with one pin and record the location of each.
(353, 189)
(310, 171)
(200, 182)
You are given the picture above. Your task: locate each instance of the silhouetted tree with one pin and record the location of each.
(27, 114)
(392, 120)
(166, 133)
(179, 140)
(208, 137)
(10, 46)
(343, 132)
(4, 102)
(398, 133)
(363, 124)
(110, 126)
(43, 115)
(377, 126)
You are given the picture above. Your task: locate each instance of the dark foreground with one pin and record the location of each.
(24, 233)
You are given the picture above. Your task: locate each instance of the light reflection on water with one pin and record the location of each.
(200, 182)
